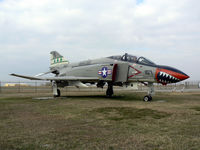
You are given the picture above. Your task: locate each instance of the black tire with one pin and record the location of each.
(109, 91)
(147, 98)
(58, 91)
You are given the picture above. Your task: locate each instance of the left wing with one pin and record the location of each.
(66, 78)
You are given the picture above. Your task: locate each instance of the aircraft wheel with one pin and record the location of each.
(58, 91)
(147, 98)
(109, 92)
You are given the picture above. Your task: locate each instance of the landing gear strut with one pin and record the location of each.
(56, 91)
(150, 92)
(109, 91)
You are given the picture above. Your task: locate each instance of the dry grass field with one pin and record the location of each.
(170, 122)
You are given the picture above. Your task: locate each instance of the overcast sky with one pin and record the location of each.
(165, 31)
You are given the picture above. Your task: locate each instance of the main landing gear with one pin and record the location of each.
(150, 92)
(109, 91)
(56, 91)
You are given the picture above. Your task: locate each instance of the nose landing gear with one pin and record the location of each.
(147, 98)
(150, 92)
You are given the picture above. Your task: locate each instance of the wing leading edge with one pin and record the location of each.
(66, 78)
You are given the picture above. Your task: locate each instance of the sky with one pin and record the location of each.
(167, 32)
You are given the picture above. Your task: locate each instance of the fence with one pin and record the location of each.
(41, 88)
(44, 88)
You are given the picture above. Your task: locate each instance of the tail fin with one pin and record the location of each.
(57, 59)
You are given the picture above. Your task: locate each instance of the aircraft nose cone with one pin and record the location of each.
(166, 74)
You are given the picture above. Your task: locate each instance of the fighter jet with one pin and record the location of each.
(111, 71)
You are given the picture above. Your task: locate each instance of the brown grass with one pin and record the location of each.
(171, 121)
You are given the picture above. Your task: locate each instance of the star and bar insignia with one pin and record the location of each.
(104, 72)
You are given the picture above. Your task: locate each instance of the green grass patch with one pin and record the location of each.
(197, 108)
(121, 97)
(121, 113)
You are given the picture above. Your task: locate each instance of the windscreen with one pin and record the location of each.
(145, 61)
(133, 59)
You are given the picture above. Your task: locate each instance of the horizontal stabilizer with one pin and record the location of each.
(25, 77)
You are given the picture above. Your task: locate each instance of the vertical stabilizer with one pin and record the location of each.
(57, 59)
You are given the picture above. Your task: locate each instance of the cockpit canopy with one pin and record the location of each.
(133, 59)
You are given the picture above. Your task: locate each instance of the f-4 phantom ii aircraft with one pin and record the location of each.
(113, 70)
